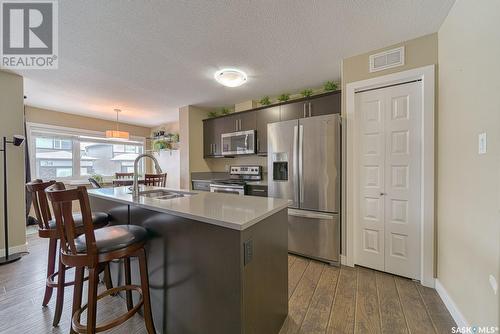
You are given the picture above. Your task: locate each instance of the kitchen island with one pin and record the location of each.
(217, 262)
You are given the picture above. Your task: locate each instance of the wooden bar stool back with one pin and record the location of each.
(93, 249)
(157, 180)
(122, 176)
(47, 229)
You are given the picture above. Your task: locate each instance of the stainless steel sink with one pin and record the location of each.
(164, 194)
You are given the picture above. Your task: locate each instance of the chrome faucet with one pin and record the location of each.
(135, 185)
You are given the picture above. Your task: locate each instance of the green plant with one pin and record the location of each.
(213, 114)
(97, 177)
(225, 111)
(265, 101)
(284, 97)
(329, 86)
(161, 144)
(307, 92)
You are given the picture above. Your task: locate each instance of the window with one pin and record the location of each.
(57, 153)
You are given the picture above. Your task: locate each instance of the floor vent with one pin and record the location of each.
(387, 59)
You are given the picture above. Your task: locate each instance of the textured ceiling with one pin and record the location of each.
(151, 57)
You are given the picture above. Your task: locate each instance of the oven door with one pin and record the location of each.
(235, 143)
(227, 188)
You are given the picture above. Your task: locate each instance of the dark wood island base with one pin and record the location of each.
(206, 278)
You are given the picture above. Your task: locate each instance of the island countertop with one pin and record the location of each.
(226, 210)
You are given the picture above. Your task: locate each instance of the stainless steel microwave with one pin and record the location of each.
(242, 142)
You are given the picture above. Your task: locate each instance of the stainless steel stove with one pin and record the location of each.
(236, 184)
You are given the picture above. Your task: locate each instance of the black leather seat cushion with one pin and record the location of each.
(98, 218)
(111, 238)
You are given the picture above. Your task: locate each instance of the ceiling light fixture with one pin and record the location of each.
(117, 134)
(230, 77)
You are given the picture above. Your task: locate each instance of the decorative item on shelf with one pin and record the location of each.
(166, 142)
(213, 114)
(225, 111)
(265, 101)
(97, 177)
(330, 86)
(284, 97)
(8, 258)
(307, 92)
(117, 134)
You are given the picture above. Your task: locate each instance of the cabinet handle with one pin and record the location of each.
(310, 109)
(304, 110)
(236, 125)
(240, 124)
(258, 145)
(215, 148)
(258, 190)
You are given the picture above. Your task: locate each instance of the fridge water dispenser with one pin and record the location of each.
(280, 167)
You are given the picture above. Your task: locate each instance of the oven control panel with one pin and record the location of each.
(246, 170)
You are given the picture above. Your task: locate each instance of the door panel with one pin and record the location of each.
(282, 142)
(319, 163)
(314, 235)
(292, 111)
(370, 232)
(325, 105)
(402, 188)
(388, 231)
(264, 117)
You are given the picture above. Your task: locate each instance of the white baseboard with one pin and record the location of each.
(450, 305)
(15, 249)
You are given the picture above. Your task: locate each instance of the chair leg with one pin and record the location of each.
(51, 263)
(61, 279)
(107, 277)
(148, 316)
(128, 281)
(92, 300)
(77, 293)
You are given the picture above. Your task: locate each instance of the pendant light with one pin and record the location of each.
(117, 134)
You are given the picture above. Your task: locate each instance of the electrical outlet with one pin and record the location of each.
(482, 143)
(494, 284)
(248, 252)
(226, 168)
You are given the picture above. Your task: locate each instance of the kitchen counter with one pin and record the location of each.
(226, 210)
(217, 263)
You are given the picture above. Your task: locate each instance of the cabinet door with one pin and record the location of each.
(264, 117)
(329, 104)
(247, 121)
(208, 137)
(292, 111)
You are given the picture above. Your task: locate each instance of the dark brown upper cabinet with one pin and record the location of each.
(324, 105)
(241, 121)
(291, 111)
(213, 128)
(264, 117)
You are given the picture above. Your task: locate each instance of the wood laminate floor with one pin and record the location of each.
(322, 299)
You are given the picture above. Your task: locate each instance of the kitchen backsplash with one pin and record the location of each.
(222, 164)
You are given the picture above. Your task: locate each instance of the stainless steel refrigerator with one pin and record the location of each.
(304, 167)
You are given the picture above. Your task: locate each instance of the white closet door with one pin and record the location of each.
(370, 231)
(402, 179)
(388, 230)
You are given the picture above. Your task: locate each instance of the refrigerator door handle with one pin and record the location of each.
(309, 214)
(295, 167)
(301, 163)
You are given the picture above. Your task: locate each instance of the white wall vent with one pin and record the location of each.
(387, 59)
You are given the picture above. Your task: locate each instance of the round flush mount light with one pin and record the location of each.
(230, 77)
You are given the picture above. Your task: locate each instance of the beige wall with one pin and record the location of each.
(191, 143)
(469, 183)
(222, 164)
(44, 116)
(12, 123)
(419, 52)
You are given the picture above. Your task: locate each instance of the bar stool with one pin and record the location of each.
(47, 229)
(93, 249)
(157, 180)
